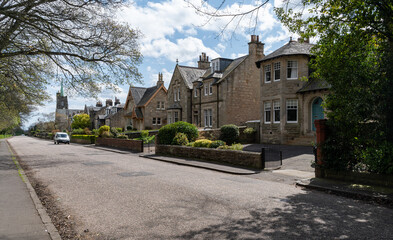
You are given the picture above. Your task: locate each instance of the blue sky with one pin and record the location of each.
(172, 30)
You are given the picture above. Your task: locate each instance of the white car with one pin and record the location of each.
(61, 137)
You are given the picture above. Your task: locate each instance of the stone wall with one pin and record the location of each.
(238, 158)
(80, 141)
(151, 111)
(133, 145)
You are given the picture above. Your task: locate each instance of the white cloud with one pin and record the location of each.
(220, 47)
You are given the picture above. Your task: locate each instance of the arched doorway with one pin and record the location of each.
(316, 111)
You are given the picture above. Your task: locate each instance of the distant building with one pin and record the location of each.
(63, 115)
(145, 107)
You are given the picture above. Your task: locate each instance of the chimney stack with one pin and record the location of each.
(203, 62)
(117, 101)
(99, 104)
(255, 47)
(160, 80)
(108, 102)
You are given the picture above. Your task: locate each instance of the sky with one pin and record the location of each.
(172, 30)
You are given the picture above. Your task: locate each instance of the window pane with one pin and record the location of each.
(292, 110)
(267, 73)
(292, 69)
(276, 107)
(268, 110)
(277, 67)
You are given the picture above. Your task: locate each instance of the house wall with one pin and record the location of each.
(185, 98)
(282, 90)
(118, 120)
(240, 94)
(151, 111)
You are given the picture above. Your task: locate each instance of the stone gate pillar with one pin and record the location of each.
(321, 130)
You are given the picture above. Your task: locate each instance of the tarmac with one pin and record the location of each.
(22, 215)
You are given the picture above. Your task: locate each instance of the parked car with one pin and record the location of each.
(61, 137)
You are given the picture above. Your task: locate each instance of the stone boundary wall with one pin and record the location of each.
(133, 145)
(132, 135)
(239, 158)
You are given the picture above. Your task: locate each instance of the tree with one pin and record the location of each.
(354, 54)
(74, 41)
(80, 121)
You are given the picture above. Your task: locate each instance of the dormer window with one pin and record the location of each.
(216, 65)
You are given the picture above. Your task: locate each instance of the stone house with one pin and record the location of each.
(110, 114)
(145, 107)
(228, 92)
(289, 105)
(63, 115)
(115, 115)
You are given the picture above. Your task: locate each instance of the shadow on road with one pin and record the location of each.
(288, 151)
(305, 216)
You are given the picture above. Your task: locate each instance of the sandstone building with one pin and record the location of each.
(225, 91)
(63, 115)
(289, 105)
(145, 107)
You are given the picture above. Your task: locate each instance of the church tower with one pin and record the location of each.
(61, 116)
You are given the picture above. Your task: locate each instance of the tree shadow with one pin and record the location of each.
(305, 216)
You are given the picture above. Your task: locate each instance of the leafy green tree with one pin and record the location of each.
(354, 54)
(80, 121)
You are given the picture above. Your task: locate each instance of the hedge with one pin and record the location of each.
(168, 132)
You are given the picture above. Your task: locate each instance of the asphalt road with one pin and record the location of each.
(123, 196)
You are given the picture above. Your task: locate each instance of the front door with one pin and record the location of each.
(316, 111)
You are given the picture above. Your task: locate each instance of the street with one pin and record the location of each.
(112, 195)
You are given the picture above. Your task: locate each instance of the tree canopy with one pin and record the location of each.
(75, 41)
(81, 121)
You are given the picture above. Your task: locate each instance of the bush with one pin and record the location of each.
(202, 143)
(168, 132)
(87, 131)
(106, 134)
(95, 132)
(180, 139)
(122, 136)
(216, 144)
(229, 133)
(119, 130)
(379, 159)
(92, 138)
(129, 128)
(190, 144)
(236, 147)
(114, 131)
(144, 133)
(249, 131)
(102, 129)
(77, 131)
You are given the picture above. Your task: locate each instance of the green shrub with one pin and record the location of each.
(102, 129)
(114, 131)
(379, 159)
(205, 143)
(216, 144)
(95, 132)
(119, 130)
(229, 133)
(190, 144)
(249, 131)
(180, 139)
(129, 128)
(144, 133)
(236, 147)
(87, 131)
(106, 134)
(122, 136)
(92, 138)
(168, 132)
(77, 131)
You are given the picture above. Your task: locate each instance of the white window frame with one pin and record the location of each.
(268, 69)
(292, 104)
(158, 105)
(154, 122)
(210, 88)
(176, 116)
(276, 107)
(267, 108)
(162, 105)
(175, 94)
(195, 92)
(208, 116)
(205, 89)
(158, 121)
(276, 66)
(178, 93)
(293, 65)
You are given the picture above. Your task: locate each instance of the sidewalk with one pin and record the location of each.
(21, 214)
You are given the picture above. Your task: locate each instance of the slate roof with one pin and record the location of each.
(191, 74)
(137, 93)
(313, 85)
(149, 92)
(101, 116)
(236, 62)
(291, 48)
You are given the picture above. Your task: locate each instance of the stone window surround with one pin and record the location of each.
(267, 109)
(292, 104)
(267, 73)
(293, 65)
(156, 121)
(208, 117)
(160, 105)
(276, 109)
(276, 67)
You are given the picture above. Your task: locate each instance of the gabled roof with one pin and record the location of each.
(236, 62)
(190, 74)
(291, 48)
(137, 93)
(149, 92)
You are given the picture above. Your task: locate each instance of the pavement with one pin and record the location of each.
(22, 215)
